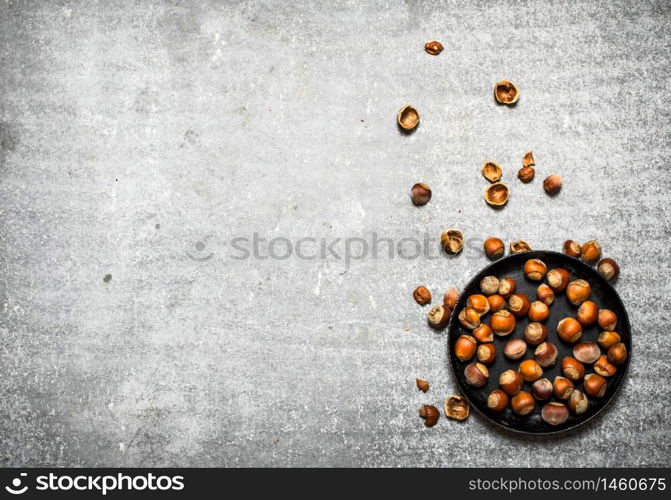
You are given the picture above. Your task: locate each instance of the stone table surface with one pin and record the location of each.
(197, 201)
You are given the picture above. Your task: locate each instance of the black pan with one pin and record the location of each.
(602, 293)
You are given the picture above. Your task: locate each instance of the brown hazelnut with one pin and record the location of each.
(530, 370)
(535, 333)
(496, 302)
(595, 385)
(507, 287)
(558, 279)
(526, 174)
(511, 382)
(422, 385)
(434, 48)
(571, 248)
(497, 194)
(515, 349)
(578, 291)
(469, 317)
(607, 320)
(489, 285)
(483, 333)
(538, 311)
(421, 295)
(491, 171)
(608, 339)
(420, 194)
(456, 407)
(464, 347)
(438, 316)
(552, 184)
(604, 368)
(486, 353)
(554, 413)
(545, 294)
(479, 303)
(430, 414)
(497, 401)
(452, 241)
(588, 313)
(586, 352)
(608, 268)
(578, 402)
(546, 354)
(535, 269)
(506, 92)
(562, 387)
(494, 248)
(528, 159)
(569, 330)
(572, 368)
(476, 374)
(407, 118)
(519, 304)
(451, 297)
(520, 246)
(502, 323)
(617, 354)
(541, 389)
(590, 251)
(523, 403)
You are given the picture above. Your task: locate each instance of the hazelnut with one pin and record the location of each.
(558, 279)
(535, 333)
(476, 374)
(502, 323)
(572, 368)
(541, 389)
(497, 401)
(607, 320)
(604, 368)
(430, 414)
(451, 297)
(497, 194)
(434, 48)
(590, 251)
(562, 387)
(520, 246)
(422, 295)
(569, 330)
(588, 312)
(545, 294)
(595, 385)
(494, 248)
(608, 268)
(519, 304)
(608, 339)
(552, 184)
(456, 407)
(506, 92)
(420, 194)
(526, 174)
(515, 348)
(530, 370)
(496, 302)
(507, 287)
(523, 403)
(464, 347)
(479, 303)
(586, 352)
(407, 118)
(571, 248)
(469, 318)
(422, 385)
(528, 159)
(535, 269)
(617, 354)
(489, 285)
(546, 354)
(452, 241)
(483, 333)
(511, 382)
(439, 316)
(491, 171)
(538, 311)
(554, 413)
(578, 291)
(578, 402)
(486, 353)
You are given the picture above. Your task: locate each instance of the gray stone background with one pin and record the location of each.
(139, 138)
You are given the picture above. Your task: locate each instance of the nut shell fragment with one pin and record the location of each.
(506, 92)
(452, 241)
(408, 118)
(491, 171)
(456, 407)
(497, 194)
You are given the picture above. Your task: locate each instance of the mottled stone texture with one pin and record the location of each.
(139, 138)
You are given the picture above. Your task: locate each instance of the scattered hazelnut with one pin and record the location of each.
(407, 118)
(422, 385)
(595, 385)
(420, 194)
(535, 333)
(523, 403)
(608, 339)
(456, 407)
(590, 251)
(438, 316)
(520, 246)
(430, 414)
(572, 368)
(491, 171)
(552, 184)
(489, 285)
(422, 295)
(469, 318)
(506, 92)
(497, 401)
(464, 347)
(608, 268)
(452, 241)
(546, 354)
(483, 333)
(496, 302)
(586, 352)
(571, 248)
(526, 174)
(541, 389)
(562, 387)
(578, 291)
(494, 248)
(502, 323)
(545, 294)
(528, 159)
(479, 303)
(538, 311)
(486, 353)
(530, 370)
(558, 279)
(511, 382)
(607, 320)
(535, 269)
(554, 413)
(519, 304)
(507, 287)
(434, 48)
(569, 330)
(515, 349)
(588, 313)
(451, 297)
(578, 402)
(604, 368)
(497, 194)
(476, 374)
(617, 354)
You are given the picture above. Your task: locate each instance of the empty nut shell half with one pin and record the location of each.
(506, 92)
(456, 407)
(434, 48)
(528, 159)
(452, 241)
(520, 246)
(497, 194)
(491, 171)
(408, 118)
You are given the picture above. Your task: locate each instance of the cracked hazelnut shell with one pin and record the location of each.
(422, 385)
(505, 92)
(456, 407)
(407, 118)
(497, 194)
(520, 246)
(452, 241)
(491, 171)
